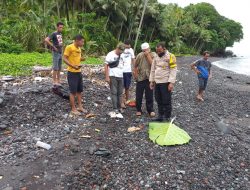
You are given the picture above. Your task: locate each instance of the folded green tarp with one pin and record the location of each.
(167, 134)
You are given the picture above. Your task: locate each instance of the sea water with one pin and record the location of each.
(239, 65)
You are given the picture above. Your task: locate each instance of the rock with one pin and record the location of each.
(67, 130)
(92, 149)
(102, 152)
(181, 172)
(3, 127)
(1, 101)
(8, 78)
(103, 120)
(8, 188)
(223, 127)
(40, 116)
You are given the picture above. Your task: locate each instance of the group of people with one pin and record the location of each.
(154, 73)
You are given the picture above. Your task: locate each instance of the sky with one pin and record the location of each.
(235, 10)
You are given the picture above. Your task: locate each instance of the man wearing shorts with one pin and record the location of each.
(128, 57)
(202, 68)
(72, 57)
(56, 43)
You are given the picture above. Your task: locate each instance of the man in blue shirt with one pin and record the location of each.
(202, 68)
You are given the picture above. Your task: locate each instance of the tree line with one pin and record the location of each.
(103, 23)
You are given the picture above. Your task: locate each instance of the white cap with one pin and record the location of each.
(144, 46)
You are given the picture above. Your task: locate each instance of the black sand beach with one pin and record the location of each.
(217, 157)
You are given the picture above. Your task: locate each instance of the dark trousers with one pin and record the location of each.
(163, 99)
(141, 87)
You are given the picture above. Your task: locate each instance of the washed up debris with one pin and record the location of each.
(131, 103)
(90, 115)
(115, 115)
(181, 172)
(109, 98)
(229, 77)
(61, 91)
(8, 78)
(133, 129)
(85, 136)
(43, 145)
(98, 130)
(102, 152)
(38, 79)
(1, 177)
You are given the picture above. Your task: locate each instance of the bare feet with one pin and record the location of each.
(200, 98)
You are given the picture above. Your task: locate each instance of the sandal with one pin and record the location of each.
(82, 110)
(138, 114)
(152, 114)
(76, 113)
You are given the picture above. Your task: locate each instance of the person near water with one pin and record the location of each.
(128, 57)
(141, 73)
(114, 77)
(55, 41)
(202, 68)
(72, 57)
(162, 79)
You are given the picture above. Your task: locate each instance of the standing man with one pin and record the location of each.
(72, 57)
(57, 48)
(114, 76)
(162, 79)
(141, 72)
(202, 68)
(128, 57)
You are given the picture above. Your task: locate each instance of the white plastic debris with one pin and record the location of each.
(38, 79)
(112, 114)
(109, 98)
(43, 145)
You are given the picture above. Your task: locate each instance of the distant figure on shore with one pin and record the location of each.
(141, 72)
(128, 57)
(72, 57)
(55, 41)
(202, 68)
(114, 77)
(162, 79)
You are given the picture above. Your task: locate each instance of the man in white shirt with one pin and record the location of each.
(114, 75)
(128, 57)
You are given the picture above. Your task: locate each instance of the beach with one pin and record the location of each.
(217, 157)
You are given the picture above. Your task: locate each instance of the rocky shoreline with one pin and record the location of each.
(218, 156)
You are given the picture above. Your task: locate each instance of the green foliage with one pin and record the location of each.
(93, 61)
(21, 64)
(103, 23)
(7, 46)
(167, 134)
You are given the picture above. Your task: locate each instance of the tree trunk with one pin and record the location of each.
(67, 9)
(58, 9)
(151, 36)
(119, 34)
(105, 26)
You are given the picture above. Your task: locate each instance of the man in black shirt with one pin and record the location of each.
(56, 43)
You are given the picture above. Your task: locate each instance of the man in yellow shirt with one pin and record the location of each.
(72, 57)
